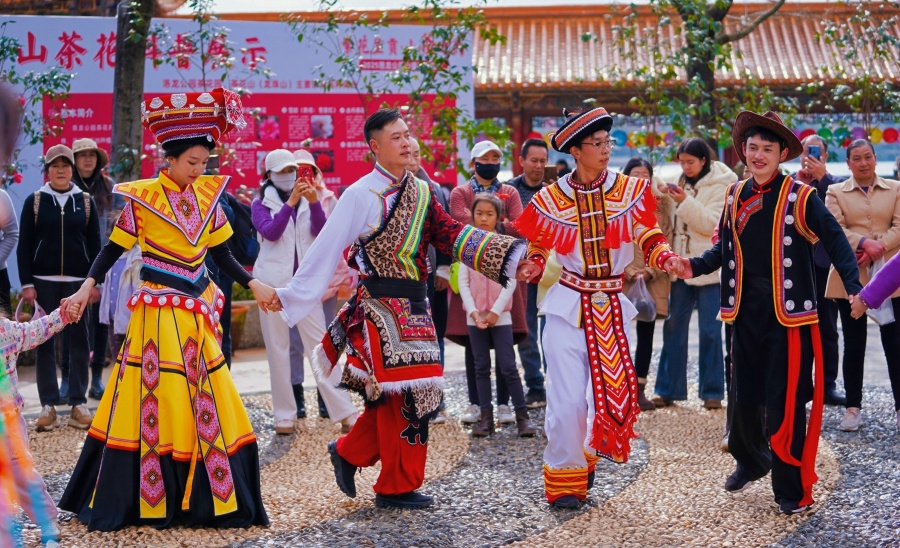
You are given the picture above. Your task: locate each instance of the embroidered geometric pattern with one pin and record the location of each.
(153, 492)
(404, 223)
(189, 211)
(220, 218)
(566, 481)
(211, 445)
(126, 220)
(592, 227)
(612, 377)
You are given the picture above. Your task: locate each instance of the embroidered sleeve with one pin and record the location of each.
(36, 332)
(220, 230)
(486, 252)
(125, 231)
(646, 232)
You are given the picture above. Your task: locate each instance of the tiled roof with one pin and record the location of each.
(549, 51)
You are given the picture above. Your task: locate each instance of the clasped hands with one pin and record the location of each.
(484, 320)
(675, 265)
(869, 251)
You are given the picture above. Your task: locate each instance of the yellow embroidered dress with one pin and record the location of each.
(170, 442)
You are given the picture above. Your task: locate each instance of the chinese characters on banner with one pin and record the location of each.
(287, 110)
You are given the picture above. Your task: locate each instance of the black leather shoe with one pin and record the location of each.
(404, 501)
(567, 501)
(833, 397)
(343, 471)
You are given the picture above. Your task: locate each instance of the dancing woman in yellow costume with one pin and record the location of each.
(171, 442)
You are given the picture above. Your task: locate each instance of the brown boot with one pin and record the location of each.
(643, 402)
(523, 423)
(485, 426)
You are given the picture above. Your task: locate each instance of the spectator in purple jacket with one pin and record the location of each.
(814, 173)
(288, 216)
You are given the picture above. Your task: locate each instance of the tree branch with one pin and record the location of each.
(725, 38)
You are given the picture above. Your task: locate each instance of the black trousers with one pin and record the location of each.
(759, 355)
(472, 385)
(77, 340)
(507, 373)
(855, 335)
(827, 310)
(643, 349)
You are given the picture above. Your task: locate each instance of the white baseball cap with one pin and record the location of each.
(483, 147)
(305, 157)
(279, 159)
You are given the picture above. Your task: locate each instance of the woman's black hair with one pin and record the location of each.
(178, 147)
(858, 143)
(491, 199)
(697, 148)
(637, 161)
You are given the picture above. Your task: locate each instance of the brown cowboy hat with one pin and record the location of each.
(90, 145)
(746, 120)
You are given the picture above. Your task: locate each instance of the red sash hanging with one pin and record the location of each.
(782, 439)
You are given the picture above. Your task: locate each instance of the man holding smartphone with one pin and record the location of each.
(533, 160)
(813, 172)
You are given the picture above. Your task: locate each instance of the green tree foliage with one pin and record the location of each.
(671, 52)
(429, 74)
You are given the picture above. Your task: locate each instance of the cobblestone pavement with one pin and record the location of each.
(489, 492)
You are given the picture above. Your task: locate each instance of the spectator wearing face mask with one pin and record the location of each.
(289, 216)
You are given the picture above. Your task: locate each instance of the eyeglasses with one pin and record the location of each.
(609, 144)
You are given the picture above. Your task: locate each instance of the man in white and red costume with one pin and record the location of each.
(590, 217)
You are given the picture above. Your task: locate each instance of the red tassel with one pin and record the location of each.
(545, 232)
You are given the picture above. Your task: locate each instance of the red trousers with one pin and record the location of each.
(389, 431)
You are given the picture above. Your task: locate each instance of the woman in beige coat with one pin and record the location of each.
(868, 208)
(698, 200)
(657, 281)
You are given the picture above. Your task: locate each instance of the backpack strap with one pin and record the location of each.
(87, 207)
(37, 205)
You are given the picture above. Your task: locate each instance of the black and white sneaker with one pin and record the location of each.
(790, 507)
(737, 483)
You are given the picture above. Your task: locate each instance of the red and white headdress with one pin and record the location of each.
(209, 114)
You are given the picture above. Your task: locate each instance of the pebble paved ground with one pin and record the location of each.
(489, 492)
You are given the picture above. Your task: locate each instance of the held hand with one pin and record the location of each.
(527, 270)
(296, 193)
(857, 307)
(77, 303)
(490, 319)
(815, 167)
(677, 194)
(308, 191)
(95, 295)
(265, 296)
(674, 266)
(874, 249)
(29, 295)
(863, 260)
(441, 284)
(804, 176)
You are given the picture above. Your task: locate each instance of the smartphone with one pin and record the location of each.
(816, 152)
(550, 174)
(305, 171)
(213, 162)
(673, 186)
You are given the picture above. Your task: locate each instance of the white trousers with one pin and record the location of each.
(276, 335)
(569, 409)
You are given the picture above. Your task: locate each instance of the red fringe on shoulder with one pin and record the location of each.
(644, 211)
(546, 232)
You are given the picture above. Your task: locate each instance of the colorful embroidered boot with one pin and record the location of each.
(485, 425)
(523, 423)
